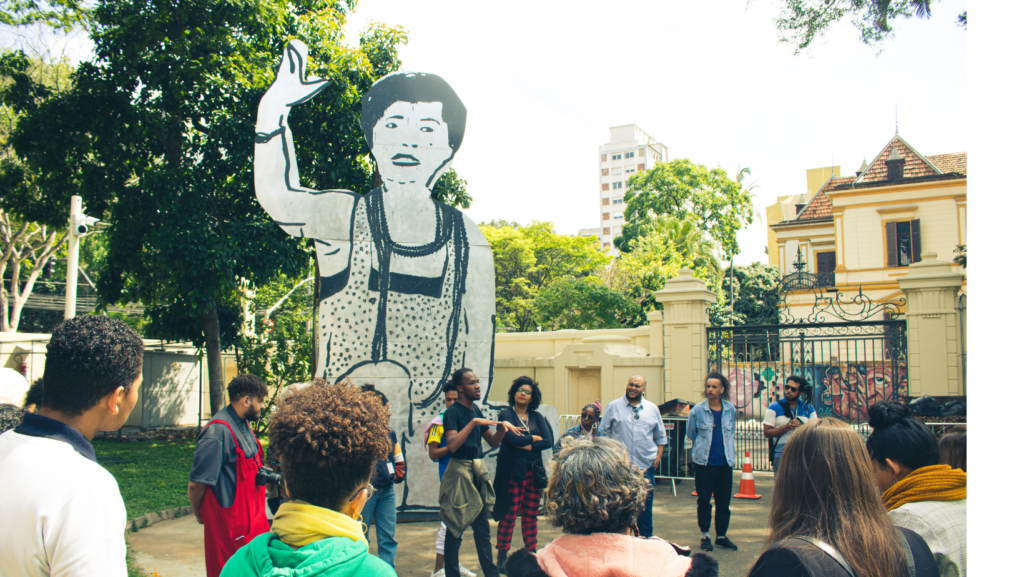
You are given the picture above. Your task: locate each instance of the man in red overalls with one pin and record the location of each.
(222, 484)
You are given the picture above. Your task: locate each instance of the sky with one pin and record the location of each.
(543, 83)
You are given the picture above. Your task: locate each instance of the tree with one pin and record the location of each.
(59, 14)
(583, 304)
(451, 190)
(24, 245)
(717, 205)
(695, 249)
(528, 258)
(643, 271)
(157, 134)
(802, 21)
(961, 255)
(749, 295)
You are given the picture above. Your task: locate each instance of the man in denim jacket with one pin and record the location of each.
(712, 428)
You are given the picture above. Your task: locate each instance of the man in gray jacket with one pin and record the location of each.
(712, 428)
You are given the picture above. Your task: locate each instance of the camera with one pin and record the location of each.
(82, 224)
(266, 475)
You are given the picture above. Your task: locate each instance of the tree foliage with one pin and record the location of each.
(583, 304)
(803, 21)
(451, 190)
(59, 14)
(640, 273)
(749, 295)
(708, 199)
(961, 255)
(528, 258)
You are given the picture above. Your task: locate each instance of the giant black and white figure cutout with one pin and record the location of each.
(406, 283)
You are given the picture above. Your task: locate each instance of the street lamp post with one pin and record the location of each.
(78, 227)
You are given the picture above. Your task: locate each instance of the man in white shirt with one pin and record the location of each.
(62, 512)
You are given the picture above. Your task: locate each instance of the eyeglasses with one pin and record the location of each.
(369, 493)
(794, 389)
(526, 392)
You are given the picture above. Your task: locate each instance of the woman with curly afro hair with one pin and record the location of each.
(328, 440)
(595, 495)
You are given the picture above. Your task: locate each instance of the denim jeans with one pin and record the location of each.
(380, 508)
(645, 523)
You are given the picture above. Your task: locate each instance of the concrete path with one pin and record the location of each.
(175, 548)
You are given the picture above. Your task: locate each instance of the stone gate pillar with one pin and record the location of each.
(685, 320)
(933, 328)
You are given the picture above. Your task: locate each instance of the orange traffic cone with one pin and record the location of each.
(747, 490)
(695, 493)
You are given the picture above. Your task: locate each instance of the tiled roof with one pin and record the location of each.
(820, 205)
(915, 164)
(953, 162)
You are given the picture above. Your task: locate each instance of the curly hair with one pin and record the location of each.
(246, 385)
(721, 379)
(88, 358)
(328, 440)
(535, 395)
(451, 386)
(34, 396)
(594, 488)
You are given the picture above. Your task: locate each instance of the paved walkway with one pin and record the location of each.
(175, 548)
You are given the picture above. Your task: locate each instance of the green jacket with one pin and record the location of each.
(267, 556)
(466, 490)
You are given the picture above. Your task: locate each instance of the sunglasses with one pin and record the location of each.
(526, 392)
(794, 389)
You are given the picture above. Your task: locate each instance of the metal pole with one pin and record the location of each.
(71, 290)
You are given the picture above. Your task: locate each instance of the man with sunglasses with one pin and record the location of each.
(636, 422)
(786, 415)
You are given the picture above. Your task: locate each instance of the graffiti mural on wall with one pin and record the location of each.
(843, 390)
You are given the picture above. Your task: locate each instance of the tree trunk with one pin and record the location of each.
(211, 332)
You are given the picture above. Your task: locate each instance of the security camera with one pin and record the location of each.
(83, 223)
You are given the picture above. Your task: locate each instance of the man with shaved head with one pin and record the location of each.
(636, 422)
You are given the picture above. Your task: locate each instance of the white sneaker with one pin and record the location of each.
(462, 571)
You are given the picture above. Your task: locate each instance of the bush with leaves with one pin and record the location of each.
(583, 304)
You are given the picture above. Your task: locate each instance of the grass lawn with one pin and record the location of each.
(157, 477)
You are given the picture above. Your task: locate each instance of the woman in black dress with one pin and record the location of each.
(520, 478)
(827, 519)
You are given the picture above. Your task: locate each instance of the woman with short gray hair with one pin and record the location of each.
(595, 495)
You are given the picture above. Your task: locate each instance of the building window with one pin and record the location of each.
(616, 157)
(630, 170)
(640, 167)
(617, 185)
(616, 171)
(604, 186)
(902, 243)
(604, 172)
(604, 202)
(604, 158)
(825, 268)
(617, 217)
(605, 245)
(629, 154)
(606, 231)
(616, 201)
(641, 152)
(605, 216)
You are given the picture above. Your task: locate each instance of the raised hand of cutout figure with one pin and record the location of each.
(406, 283)
(290, 88)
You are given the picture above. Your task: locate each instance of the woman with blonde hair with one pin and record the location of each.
(826, 518)
(595, 495)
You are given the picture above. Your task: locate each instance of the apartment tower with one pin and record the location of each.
(630, 150)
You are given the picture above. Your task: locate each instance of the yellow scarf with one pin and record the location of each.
(298, 523)
(933, 483)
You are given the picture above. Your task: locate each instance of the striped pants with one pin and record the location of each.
(524, 494)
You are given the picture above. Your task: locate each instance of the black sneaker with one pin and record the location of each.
(725, 542)
(705, 544)
(502, 558)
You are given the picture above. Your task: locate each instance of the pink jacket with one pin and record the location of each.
(611, 555)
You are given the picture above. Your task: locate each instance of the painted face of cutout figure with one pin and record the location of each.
(410, 143)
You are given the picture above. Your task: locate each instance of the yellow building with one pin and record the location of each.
(860, 233)
(786, 207)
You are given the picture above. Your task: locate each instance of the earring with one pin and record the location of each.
(366, 528)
